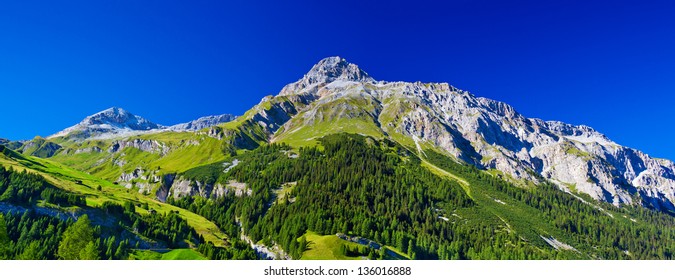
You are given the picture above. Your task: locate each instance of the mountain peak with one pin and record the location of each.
(119, 117)
(326, 71)
(335, 68)
(112, 112)
(113, 120)
(115, 110)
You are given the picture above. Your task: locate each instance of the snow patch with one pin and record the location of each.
(499, 201)
(230, 165)
(417, 143)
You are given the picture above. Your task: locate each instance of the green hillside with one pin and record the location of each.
(432, 207)
(412, 203)
(97, 193)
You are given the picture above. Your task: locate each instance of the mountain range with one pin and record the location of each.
(338, 96)
(468, 140)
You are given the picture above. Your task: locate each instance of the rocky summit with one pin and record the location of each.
(112, 121)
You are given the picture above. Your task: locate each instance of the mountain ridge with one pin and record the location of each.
(118, 122)
(113, 120)
(486, 133)
(338, 96)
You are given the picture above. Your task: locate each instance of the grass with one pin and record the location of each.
(65, 178)
(186, 151)
(176, 254)
(183, 155)
(395, 254)
(572, 150)
(326, 247)
(300, 135)
(284, 191)
(443, 173)
(183, 254)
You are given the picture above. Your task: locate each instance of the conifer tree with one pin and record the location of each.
(76, 238)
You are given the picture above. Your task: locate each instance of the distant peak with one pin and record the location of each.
(332, 60)
(326, 71)
(113, 120)
(336, 68)
(114, 110)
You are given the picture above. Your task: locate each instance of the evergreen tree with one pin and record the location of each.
(32, 252)
(75, 239)
(4, 239)
(90, 252)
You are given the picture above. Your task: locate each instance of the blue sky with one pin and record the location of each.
(607, 64)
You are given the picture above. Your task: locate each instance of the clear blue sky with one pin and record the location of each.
(607, 64)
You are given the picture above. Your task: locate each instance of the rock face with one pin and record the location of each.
(152, 146)
(89, 150)
(487, 133)
(202, 123)
(181, 187)
(140, 178)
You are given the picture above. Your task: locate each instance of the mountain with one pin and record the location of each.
(117, 122)
(107, 123)
(336, 95)
(339, 165)
(202, 123)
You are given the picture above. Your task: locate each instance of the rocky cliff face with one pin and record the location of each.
(152, 146)
(181, 187)
(483, 132)
(202, 123)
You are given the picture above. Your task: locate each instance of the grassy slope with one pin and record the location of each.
(65, 178)
(325, 247)
(331, 121)
(182, 254)
(186, 155)
(176, 254)
(183, 155)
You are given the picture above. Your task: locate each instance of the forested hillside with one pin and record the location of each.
(381, 191)
(39, 220)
